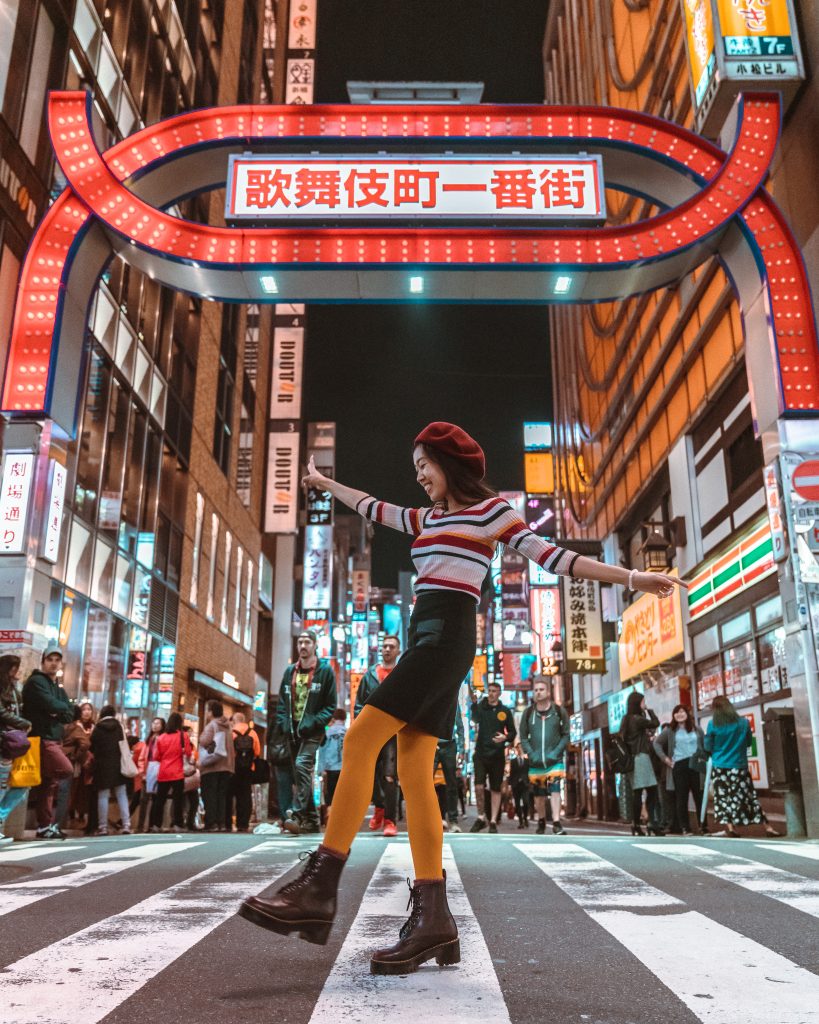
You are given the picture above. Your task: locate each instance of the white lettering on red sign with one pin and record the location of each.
(18, 474)
(560, 188)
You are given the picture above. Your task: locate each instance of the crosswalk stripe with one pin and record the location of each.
(451, 995)
(762, 879)
(719, 974)
(88, 974)
(794, 849)
(28, 852)
(54, 880)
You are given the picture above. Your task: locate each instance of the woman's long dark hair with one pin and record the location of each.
(635, 699)
(723, 711)
(174, 722)
(8, 663)
(689, 718)
(463, 485)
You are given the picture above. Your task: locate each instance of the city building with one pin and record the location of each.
(658, 452)
(151, 577)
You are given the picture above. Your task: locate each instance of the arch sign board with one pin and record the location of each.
(470, 194)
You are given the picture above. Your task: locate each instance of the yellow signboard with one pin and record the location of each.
(699, 31)
(539, 471)
(739, 18)
(652, 633)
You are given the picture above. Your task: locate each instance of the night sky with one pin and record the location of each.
(383, 372)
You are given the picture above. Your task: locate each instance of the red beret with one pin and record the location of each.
(451, 440)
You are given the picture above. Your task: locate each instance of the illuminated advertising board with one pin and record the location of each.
(318, 550)
(539, 472)
(52, 526)
(651, 633)
(18, 477)
(583, 622)
(282, 496)
(736, 46)
(364, 187)
(537, 437)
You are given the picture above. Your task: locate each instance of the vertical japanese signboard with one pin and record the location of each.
(318, 550)
(583, 624)
(18, 475)
(301, 52)
(735, 46)
(54, 512)
(282, 497)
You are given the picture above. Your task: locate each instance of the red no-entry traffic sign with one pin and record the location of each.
(806, 480)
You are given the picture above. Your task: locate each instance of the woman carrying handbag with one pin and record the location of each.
(112, 768)
(13, 728)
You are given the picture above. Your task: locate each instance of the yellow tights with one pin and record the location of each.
(416, 752)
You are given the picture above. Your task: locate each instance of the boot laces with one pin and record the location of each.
(414, 901)
(308, 858)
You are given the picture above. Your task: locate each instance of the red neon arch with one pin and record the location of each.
(99, 194)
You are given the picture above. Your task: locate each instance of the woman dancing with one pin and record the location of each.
(455, 538)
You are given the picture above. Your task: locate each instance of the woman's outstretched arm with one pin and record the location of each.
(406, 520)
(348, 495)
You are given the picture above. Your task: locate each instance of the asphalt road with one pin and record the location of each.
(588, 928)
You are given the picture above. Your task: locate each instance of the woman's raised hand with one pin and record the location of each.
(312, 477)
(658, 583)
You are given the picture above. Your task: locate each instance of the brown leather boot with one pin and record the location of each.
(430, 932)
(306, 905)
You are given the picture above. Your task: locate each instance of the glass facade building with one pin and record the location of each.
(157, 567)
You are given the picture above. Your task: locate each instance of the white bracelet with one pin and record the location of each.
(631, 575)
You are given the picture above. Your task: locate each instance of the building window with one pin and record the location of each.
(223, 423)
(33, 111)
(226, 587)
(237, 602)
(8, 21)
(214, 540)
(197, 544)
(248, 640)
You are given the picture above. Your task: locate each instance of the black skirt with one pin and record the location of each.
(422, 689)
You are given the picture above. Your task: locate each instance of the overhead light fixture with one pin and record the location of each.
(562, 285)
(269, 284)
(416, 285)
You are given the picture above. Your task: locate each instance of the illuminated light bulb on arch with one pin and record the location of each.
(562, 285)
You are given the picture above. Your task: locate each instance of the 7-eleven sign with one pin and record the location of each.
(748, 561)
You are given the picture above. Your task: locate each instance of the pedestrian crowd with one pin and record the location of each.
(88, 763)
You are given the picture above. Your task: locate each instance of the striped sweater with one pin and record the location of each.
(453, 550)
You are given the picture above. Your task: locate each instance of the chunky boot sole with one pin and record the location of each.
(317, 932)
(447, 954)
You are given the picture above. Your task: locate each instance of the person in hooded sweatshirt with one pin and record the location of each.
(216, 765)
(108, 778)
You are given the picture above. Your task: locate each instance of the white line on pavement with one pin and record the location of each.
(794, 849)
(793, 890)
(29, 852)
(87, 975)
(717, 973)
(448, 995)
(55, 880)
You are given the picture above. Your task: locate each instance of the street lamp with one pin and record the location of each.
(654, 550)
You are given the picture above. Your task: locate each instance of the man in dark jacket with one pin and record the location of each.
(544, 736)
(307, 699)
(385, 786)
(47, 707)
(494, 732)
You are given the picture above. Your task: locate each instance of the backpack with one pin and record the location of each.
(618, 757)
(243, 747)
